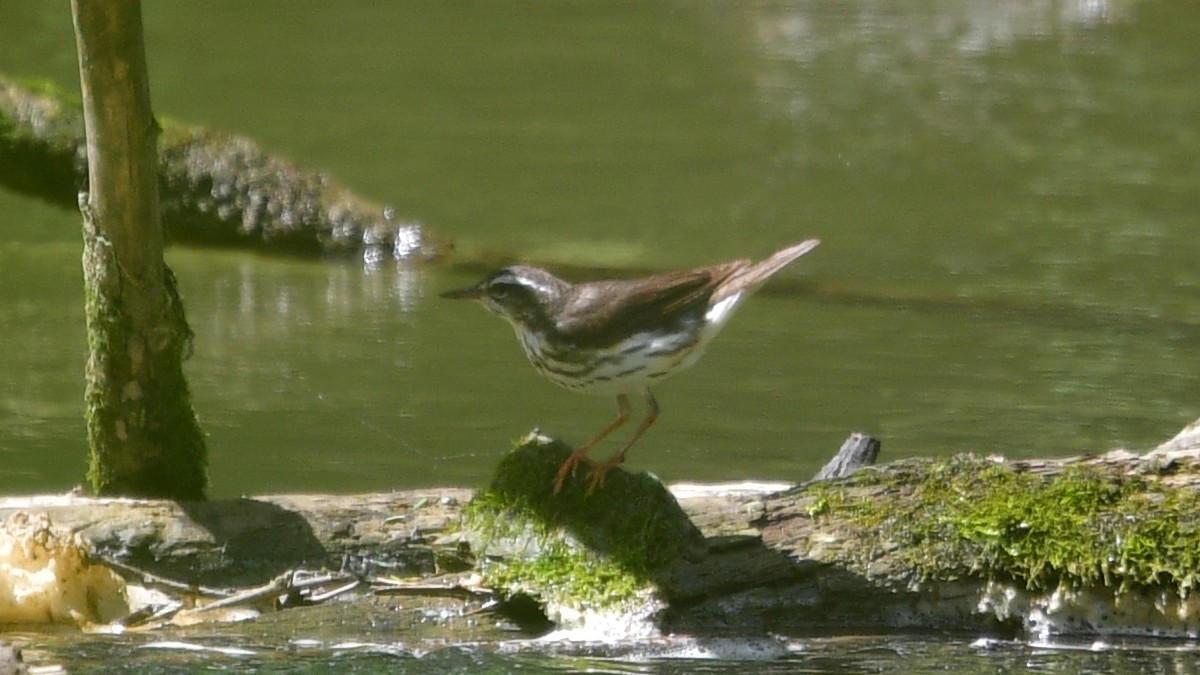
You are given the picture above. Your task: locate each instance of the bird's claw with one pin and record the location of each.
(596, 474)
(596, 477)
(565, 471)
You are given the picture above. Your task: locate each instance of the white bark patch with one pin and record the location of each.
(137, 354)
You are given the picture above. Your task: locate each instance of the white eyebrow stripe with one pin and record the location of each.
(510, 278)
(533, 285)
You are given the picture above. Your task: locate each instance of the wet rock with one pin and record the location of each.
(598, 562)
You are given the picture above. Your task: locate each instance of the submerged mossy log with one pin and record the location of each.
(1104, 544)
(215, 189)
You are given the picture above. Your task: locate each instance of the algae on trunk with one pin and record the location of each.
(143, 436)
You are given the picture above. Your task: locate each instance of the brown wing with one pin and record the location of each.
(604, 312)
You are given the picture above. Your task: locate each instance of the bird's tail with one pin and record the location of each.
(753, 275)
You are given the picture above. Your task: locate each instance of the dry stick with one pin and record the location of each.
(329, 595)
(149, 578)
(274, 587)
(391, 587)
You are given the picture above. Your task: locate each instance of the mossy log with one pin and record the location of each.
(1090, 545)
(215, 189)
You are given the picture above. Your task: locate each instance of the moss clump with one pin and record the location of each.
(555, 569)
(1085, 527)
(149, 445)
(586, 551)
(49, 88)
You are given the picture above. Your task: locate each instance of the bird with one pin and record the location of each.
(621, 336)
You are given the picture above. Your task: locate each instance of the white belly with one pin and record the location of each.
(636, 363)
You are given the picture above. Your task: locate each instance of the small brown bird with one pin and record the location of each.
(618, 337)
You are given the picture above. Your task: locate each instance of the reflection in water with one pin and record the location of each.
(1003, 142)
(805, 32)
(262, 299)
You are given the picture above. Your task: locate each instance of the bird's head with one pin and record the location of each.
(525, 296)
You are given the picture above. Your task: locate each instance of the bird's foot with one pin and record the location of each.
(600, 471)
(568, 468)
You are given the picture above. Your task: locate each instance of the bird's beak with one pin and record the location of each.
(468, 293)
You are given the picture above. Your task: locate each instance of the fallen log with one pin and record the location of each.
(215, 189)
(1104, 544)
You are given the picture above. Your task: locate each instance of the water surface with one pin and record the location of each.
(257, 652)
(1006, 195)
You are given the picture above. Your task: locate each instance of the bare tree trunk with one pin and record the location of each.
(142, 432)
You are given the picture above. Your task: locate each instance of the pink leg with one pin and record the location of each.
(598, 472)
(579, 455)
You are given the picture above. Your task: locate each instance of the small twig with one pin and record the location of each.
(276, 586)
(311, 579)
(149, 578)
(164, 613)
(385, 586)
(287, 584)
(328, 595)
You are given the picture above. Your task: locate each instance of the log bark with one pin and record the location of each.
(142, 433)
(773, 561)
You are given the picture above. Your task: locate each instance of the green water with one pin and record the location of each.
(1007, 194)
(1007, 199)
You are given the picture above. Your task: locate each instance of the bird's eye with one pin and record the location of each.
(500, 291)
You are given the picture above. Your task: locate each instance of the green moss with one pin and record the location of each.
(544, 563)
(149, 445)
(587, 551)
(52, 89)
(1087, 526)
(174, 133)
(833, 498)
